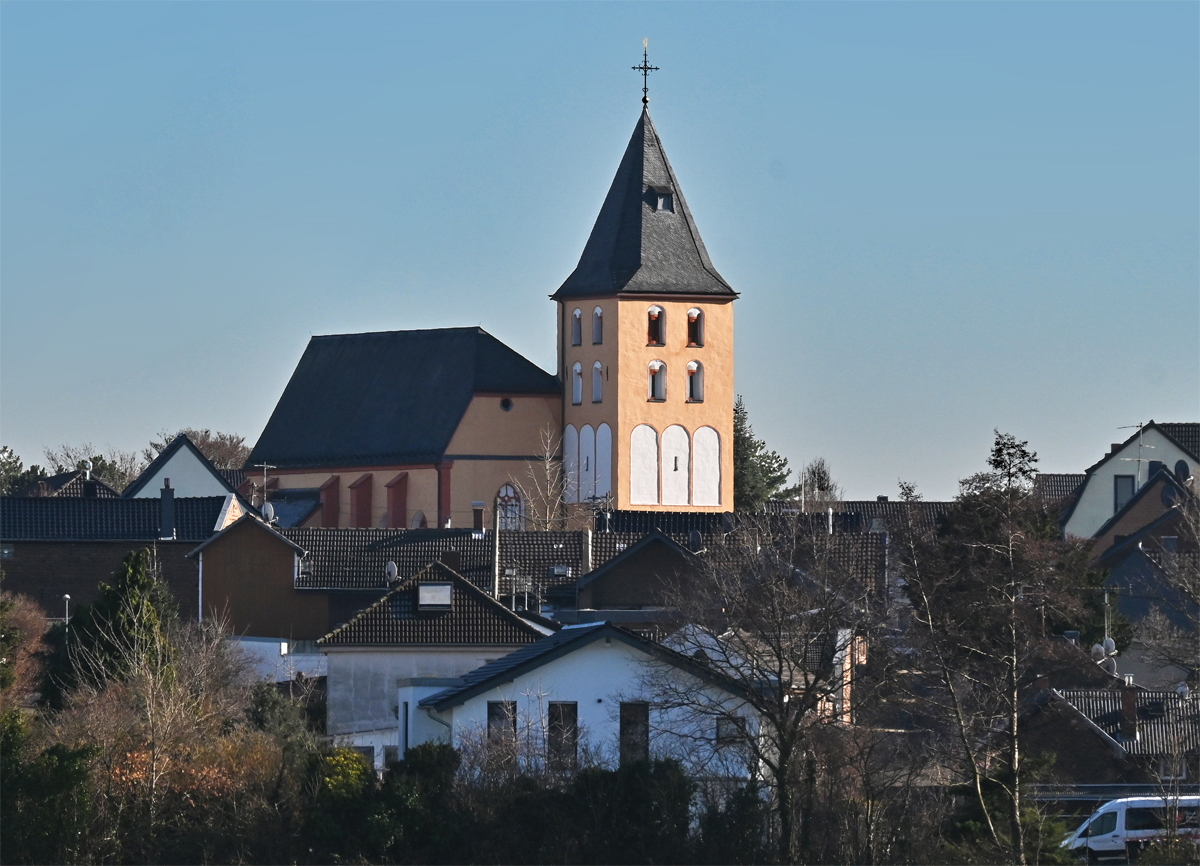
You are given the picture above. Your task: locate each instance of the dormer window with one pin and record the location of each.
(577, 328)
(433, 596)
(663, 199)
(695, 327)
(656, 326)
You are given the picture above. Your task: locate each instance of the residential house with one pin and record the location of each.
(183, 467)
(1114, 480)
(590, 690)
(433, 626)
(77, 483)
(56, 546)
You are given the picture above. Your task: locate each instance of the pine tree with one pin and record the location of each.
(758, 472)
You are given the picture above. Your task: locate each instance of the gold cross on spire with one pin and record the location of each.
(645, 69)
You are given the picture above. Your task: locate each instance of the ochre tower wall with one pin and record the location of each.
(636, 408)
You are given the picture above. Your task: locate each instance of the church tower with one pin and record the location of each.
(645, 349)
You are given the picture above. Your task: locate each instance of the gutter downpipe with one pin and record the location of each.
(496, 549)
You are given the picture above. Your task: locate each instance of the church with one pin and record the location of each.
(451, 428)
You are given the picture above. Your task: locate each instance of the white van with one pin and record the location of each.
(1119, 830)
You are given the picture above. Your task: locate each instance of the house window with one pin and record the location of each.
(664, 201)
(391, 755)
(597, 383)
(1123, 489)
(562, 739)
(510, 507)
(635, 732)
(577, 384)
(657, 386)
(597, 327)
(368, 754)
(1170, 543)
(434, 596)
(695, 327)
(502, 721)
(656, 326)
(695, 374)
(731, 729)
(577, 328)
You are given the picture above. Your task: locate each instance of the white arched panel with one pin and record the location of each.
(587, 463)
(603, 461)
(675, 468)
(571, 464)
(643, 466)
(706, 467)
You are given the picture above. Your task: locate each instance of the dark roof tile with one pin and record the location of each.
(473, 617)
(38, 518)
(388, 398)
(1166, 721)
(67, 484)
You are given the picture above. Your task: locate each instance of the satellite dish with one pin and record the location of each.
(1182, 691)
(268, 512)
(1182, 471)
(390, 570)
(1110, 665)
(1097, 652)
(1110, 646)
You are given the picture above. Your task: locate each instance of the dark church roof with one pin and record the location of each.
(391, 397)
(635, 248)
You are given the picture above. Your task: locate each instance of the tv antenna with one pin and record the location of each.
(264, 467)
(1139, 459)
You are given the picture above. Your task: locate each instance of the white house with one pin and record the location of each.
(419, 638)
(598, 692)
(1114, 480)
(190, 474)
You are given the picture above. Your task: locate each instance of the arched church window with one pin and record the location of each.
(706, 467)
(695, 374)
(597, 327)
(675, 465)
(577, 384)
(695, 327)
(656, 326)
(597, 383)
(643, 466)
(419, 521)
(658, 381)
(509, 500)
(577, 327)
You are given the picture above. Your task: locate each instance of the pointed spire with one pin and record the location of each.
(644, 240)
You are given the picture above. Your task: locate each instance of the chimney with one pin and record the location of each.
(881, 499)
(1155, 466)
(496, 549)
(449, 558)
(166, 519)
(90, 491)
(1041, 683)
(1129, 719)
(587, 552)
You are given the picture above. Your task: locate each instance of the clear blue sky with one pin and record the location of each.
(943, 218)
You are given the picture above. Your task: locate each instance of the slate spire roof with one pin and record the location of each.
(637, 248)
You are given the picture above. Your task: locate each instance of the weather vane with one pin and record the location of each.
(645, 69)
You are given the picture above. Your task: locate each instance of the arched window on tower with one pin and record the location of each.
(695, 374)
(597, 327)
(509, 500)
(695, 327)
(597, 383)
(577, 327)
(657, 390)
(656, 326)
(577, 384)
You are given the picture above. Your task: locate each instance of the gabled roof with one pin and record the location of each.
(388, 398)
(180, 441)
(257, 523)
(473, 618)
(636, 249)
(42, 518)
(69, 484)
(1165, 721)
(1166, 476)
(1053, 487)
(1185, 435)
(630, 552)
(557, 645)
